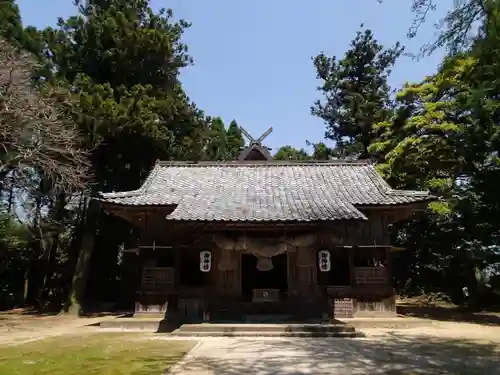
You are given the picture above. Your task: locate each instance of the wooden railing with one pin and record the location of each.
(154, 278)
(370, 275)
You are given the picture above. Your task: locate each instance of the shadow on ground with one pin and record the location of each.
(392, 355)
(45, 313)
(450, 314)
(29, 311)
(167, 327)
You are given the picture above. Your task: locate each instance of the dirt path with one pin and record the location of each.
(440, 348)
(453, 348)
(445, 330)
(18, 328)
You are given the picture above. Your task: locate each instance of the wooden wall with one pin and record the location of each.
(227, 280)
(301, 265)
(302, 273)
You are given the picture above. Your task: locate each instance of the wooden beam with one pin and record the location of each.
(246, 134)
(113, 208)
(263, 226)
(398, 212)
(364, 246)
(154, 247)
(263, 136)
(131, 250)
(395, 249)
(414, 206)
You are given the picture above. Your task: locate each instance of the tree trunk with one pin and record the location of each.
(10, 205)
(76, 238)
(33, 280)
(76, 295)
(58, 218)
(26, 286)
(40, 245)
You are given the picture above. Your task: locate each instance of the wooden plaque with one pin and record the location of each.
(266, 295)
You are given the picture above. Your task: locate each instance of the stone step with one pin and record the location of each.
(266, 334)
(268, 318)
(160, 325)
(266, 330)
(268, 327)
(133, 324)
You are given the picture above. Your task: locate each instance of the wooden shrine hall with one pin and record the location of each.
(221, 241)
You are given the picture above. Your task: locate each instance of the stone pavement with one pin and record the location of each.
(296, 356)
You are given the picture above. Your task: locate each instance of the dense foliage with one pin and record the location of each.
(110, 78)
(356, 93)
(440, 135)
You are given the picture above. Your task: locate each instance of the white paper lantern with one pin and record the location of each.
(205, 261)
(324, 261)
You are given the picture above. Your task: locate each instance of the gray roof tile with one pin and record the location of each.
(265, 191)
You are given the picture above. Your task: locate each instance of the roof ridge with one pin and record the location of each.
(260, 163)
(139, 191)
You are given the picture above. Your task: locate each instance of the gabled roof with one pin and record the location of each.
(265, 191)
(255, 152)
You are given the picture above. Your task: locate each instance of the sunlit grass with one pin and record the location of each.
(99, 353)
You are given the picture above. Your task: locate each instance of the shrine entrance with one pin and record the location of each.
(261, 275)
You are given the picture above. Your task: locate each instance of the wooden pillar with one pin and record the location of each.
(237, 273)
(291, 259)
(390, 303)
(388, 259)
(306, 273)
(177, 267)
(228, 279)
(352, 274)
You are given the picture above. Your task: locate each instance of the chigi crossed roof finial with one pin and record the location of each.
(259, 140)
(255, 150)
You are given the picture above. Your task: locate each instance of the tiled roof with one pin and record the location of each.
(265, 191)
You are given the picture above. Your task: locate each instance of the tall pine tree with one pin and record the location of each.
(123, 60)
(217, 141)
(356, 93)
(235, 141)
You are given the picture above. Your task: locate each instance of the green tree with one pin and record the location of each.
(356, 93)
(421, 146)
(291, 153)
(217, 147)
(11, 26)
(482, 141)
(235, 141)
(321, 151)
(444, 137)
(122, 61)
(14, 256)
(12, 29)
(42, 157)
(420, 149)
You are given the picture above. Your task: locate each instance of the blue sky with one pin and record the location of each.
(253, 58)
